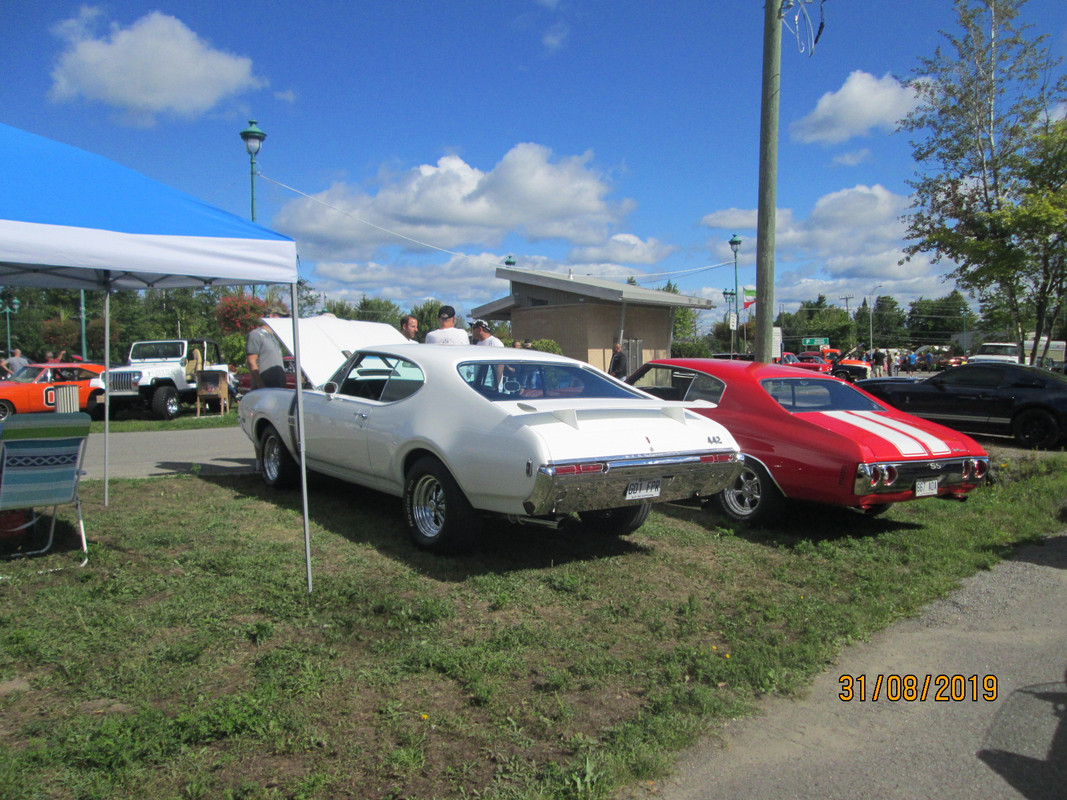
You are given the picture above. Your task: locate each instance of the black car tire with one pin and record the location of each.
(844, 375)
(1035, 428)
(439, 517)
(753, 497)
(616, 521)
(165, 402)
(280, 469)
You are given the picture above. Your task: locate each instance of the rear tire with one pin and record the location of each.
(1036, 429)
(753, 497)
(165, 402)
(439, 517)
(6, 410)
(279, 467)
(616, 521)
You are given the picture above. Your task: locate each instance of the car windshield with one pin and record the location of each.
(526, 380)
(807, 394)
(146, 350)
(27, 374)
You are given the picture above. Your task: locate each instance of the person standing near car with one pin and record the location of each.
(265, 362)
(447, 332)
(15, 363)
(409, 326)
(617, 367)
(482, 334)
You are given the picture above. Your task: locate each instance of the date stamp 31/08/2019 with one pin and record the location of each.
(918, 688)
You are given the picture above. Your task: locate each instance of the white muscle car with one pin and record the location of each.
(461, 433)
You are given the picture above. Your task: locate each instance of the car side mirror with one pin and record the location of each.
(330, 388)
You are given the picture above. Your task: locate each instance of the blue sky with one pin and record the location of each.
(607, 137)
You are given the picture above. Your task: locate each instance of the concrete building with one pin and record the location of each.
(586, 315)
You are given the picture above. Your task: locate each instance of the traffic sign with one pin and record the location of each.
(815, 341)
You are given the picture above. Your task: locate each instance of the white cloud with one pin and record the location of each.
(452, 204)
(556, 36)
(853, 158)
(156, 65)
(863, 103)
(624, 248)
(853, 239)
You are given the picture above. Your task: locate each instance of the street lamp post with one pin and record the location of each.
(735, 245)
(253, 138)
(7, 308)
(728, 295)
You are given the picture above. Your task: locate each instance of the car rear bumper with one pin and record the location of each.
(598, 485)
(958, 475)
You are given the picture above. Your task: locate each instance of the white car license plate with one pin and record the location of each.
(643, 490)
(926, 488)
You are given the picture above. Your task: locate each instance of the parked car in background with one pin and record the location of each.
(1028, 403)
(812, 365)
(735, 356)
(461, 432)
(844, 371)
(160, 375)
(32, 388)
(811, 437)
(947, 361)
(244, 379)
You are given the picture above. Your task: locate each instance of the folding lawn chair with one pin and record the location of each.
(40, 464)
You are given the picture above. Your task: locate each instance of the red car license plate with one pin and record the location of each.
(926, 488)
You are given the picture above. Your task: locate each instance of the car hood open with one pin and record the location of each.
(326, 341)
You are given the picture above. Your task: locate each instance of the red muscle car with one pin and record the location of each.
(813, 437)
(32, 388)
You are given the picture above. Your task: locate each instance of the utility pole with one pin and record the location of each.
(768, 179)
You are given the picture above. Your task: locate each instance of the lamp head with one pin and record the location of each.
(735, 243)
(253, 137)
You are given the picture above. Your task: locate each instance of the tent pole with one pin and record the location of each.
(107, 389)
(295, 315)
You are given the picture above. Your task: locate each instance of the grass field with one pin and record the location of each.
(187, 660)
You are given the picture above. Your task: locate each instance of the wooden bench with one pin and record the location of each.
(40, 465)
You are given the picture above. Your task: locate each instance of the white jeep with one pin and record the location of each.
(161, 375)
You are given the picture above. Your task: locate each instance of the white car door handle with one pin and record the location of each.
(362, 415)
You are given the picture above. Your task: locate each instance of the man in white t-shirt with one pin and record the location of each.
(482, 334)
(447, 332)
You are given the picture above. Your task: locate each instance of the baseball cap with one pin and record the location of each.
(480, 323)
(446, 312)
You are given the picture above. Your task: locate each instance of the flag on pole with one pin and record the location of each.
(749, 293)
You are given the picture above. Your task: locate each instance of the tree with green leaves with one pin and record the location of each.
(985, 102)
(685, 319)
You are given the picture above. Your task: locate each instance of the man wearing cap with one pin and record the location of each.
(447, 332)
(482, 334)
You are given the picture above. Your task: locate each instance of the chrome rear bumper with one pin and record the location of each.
(892, 477)
(560, 490)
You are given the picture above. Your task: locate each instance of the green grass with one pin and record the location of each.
(130, 421)
(188, 661)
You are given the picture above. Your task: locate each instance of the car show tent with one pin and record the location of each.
(74, 220)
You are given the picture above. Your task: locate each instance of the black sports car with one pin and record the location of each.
(1028, 403)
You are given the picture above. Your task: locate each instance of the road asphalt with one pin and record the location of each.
(1005, 629)
(140, 455)
(1009, 623)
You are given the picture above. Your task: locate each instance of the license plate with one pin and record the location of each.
(643, 490)
(926, 488)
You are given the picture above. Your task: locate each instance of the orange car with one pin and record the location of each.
(32, 388)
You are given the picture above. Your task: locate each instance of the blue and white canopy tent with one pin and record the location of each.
(74, 220)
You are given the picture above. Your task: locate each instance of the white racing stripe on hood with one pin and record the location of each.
(909, 440)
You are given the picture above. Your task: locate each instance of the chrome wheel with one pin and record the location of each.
(752, 497)
(279, 468)
(438, 514)
(428, 506)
